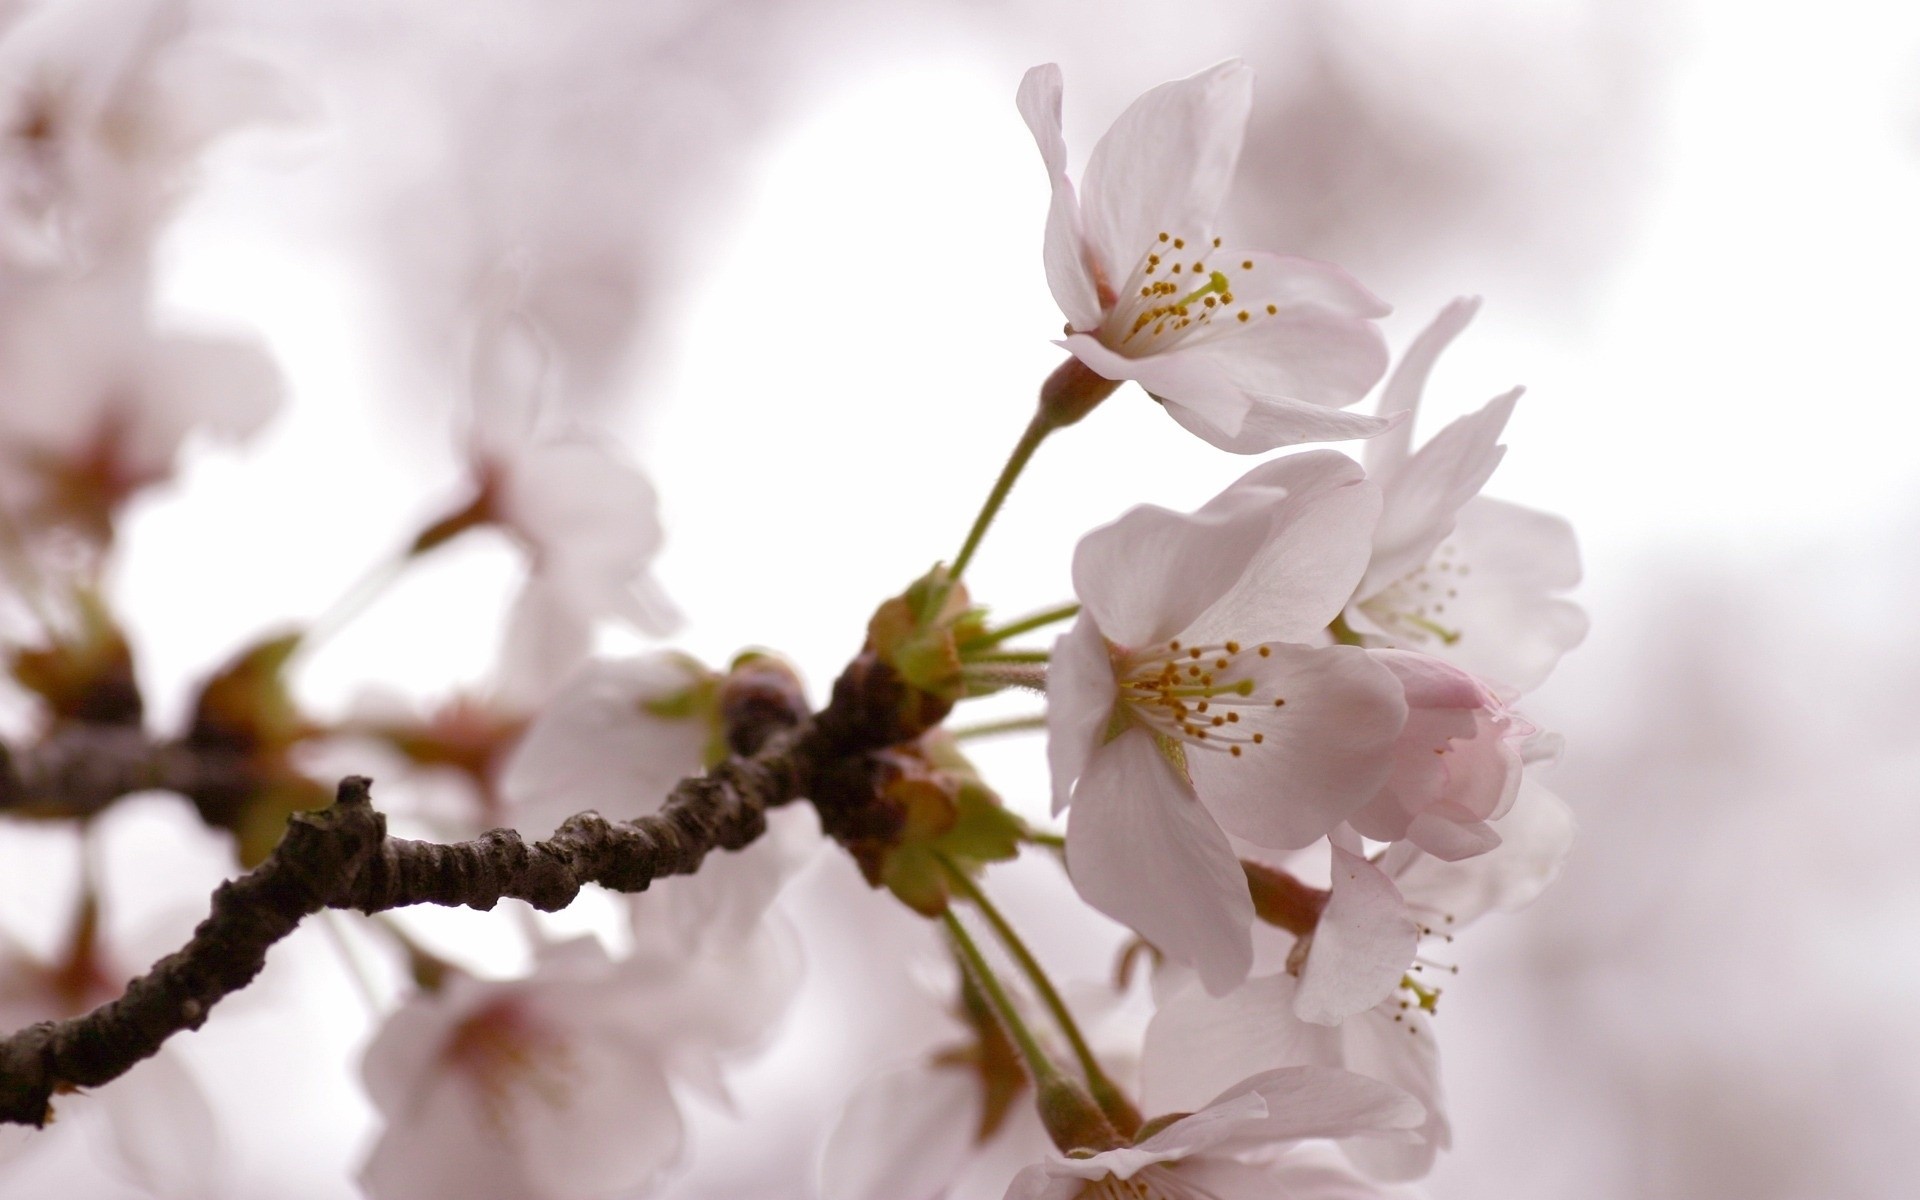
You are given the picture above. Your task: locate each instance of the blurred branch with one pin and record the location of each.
(341, 857)
(80, 768)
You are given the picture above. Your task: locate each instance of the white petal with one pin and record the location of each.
(1325, 750)
(1316, 549)
(1145, 577)
(1405, 1054)
(1198, 1046)
(446, 1146)
(163, 1129)
(1291, 283)
(1303, 355)
(1362, 946)
(1270, 424)
(1424, 496)
(607, 1127)
(1312, 1101)
(597, 745)
(1290, 1176)
(1535, 838)
(1065, 254)
(1192, 386)
(1513, 629)
(902, 1136)
(1409, 380)
(1167, 164)
(1080, 696)
(1141, 849)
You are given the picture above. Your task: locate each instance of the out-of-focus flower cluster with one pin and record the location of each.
(1285, 729)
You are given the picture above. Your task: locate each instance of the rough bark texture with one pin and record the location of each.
(341, 857)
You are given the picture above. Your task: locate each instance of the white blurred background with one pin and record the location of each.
(790, 252)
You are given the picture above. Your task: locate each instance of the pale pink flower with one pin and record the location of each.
(1185, 703)
(1456, 766)
(156, 1121)
(1248, 349)
(1233, 1147)
(1454, 574)
(1362, 997)
(586, 517)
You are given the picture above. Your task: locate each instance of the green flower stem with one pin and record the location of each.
(1037, 431)
(995, 728)
(1052, 841)
(1112, 1101)
(1007, 656)
(1039, 620)
(1039, 1067)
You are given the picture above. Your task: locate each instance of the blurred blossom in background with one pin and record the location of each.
(790, 253)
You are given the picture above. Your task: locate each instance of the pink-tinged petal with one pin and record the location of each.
(1535, 837)
(163, 1129)
(1068, 277)
(1271, 424)
(1451, 836)
(1320, 1102)
(1080, 695)
(1402, 393)
(1142, 849)
(1144, 577)
(227, 387)
(1306, 356)
(1194, 389)
(1301, 1173)
(1425, 495)
(1397, 1047)
(1361, 948)
(439, 1153)
(600, 744)
(1197, 1046)
(606, 1127)
(1054, 1180)
(1290, 283)
(1166, 164)
(1512, 627)
(1323, 752)
(903, 1136)
(1316, 549)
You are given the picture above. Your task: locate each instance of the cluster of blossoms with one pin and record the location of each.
(1282, 729)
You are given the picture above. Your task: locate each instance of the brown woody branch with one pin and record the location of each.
(341, 857)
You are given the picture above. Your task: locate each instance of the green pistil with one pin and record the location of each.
(1429, 998)
(1216, 283)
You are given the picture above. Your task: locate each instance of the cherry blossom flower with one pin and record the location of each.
(158, 1125)
(1248, 349)
(1364, 993)
(1456, 766)
(1225, 1150)
(1185, 703)
(107, 106)
(1455, 574)
(587, 518)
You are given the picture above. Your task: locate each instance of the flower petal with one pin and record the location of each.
(1398, 1047)
(1197, 1046)
(1069, 279)
(1301, 354)
(1144, 577)
(163, 1129)
(1322, 512)
(1425, 494)
(1269, 424)
(903, 1136)
(1535, 838)
(1291, 283)
(1166, 164)
(1322, 754)
(1080, 695)
(1214, 406)
(1403, 391)
(1362, 946)
(1141, 849)
(1314, 1101)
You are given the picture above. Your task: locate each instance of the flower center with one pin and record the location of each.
(1152, 1183)
(505, 1053)
(1414, 607)
(1174, 292)
(1196, 693)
